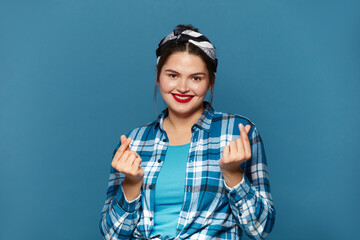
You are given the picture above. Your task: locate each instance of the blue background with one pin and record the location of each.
(75, 75)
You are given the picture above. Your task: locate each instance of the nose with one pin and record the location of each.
(183, 85)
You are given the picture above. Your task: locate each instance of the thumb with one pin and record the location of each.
(125, 141)
(247, 128)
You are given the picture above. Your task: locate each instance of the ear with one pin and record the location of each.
(211, 86)
(157, 78)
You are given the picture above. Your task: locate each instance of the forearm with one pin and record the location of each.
(232, 178)
(254, 212)
(131, 189)
(119, 216)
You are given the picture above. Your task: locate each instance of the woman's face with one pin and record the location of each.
(184, 81)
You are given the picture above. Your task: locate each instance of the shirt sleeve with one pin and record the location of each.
(119, 217)
(251, 200)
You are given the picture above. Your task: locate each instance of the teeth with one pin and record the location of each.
(182, 98)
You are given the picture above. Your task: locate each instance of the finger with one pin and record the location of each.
(244, 130)
(245, 141)
(114, 163)
(239, 144)
(117, 164)
(241, 150)
(136, 154)
(136, 165)
(140, 171)
(129, 163)
(247, 150)
(247, 128)
(123, 139)
(233, 149)
(137, 162)
(122, 147)
(226, 152)
(124, 157)
(241, 128)
(119, 151)
(125, 142)
(125, 161)
(239, 125)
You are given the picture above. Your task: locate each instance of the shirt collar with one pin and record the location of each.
(204, 121)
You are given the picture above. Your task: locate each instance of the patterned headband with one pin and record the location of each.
(180, 35)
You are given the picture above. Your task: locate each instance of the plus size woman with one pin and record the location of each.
(193, 173)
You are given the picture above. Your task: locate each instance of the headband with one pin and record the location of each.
(182, 35)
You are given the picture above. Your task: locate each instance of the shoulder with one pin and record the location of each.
(229, 123)
(226, 118)
(144, 131)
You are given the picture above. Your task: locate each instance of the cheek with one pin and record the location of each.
(201, 89)
(166, 86)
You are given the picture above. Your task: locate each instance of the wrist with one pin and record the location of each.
(131, 188)
(129, 181)
(232, 178)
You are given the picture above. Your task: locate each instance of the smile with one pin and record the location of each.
(182, 98)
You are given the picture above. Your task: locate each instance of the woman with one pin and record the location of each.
(193, 173)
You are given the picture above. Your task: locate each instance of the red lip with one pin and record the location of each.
(182, 95)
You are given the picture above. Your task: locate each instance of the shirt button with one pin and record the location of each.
(159, 161)
(150, 187)
(164, 140)
(233, 194)
(151, 218)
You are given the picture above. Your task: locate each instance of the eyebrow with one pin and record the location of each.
(193, 74)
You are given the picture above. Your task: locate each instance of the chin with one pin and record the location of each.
(185, 110)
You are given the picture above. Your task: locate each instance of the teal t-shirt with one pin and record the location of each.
(169, 190)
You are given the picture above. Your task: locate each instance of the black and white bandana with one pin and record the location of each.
(184, 35)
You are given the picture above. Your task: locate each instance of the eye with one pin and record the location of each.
(197, 78)
(172, 75)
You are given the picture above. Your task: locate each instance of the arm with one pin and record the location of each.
(249, 189)
(121, 212)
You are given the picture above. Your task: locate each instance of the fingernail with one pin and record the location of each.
(241, 126)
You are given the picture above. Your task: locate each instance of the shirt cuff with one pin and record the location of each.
(126, 205)
(240, 190)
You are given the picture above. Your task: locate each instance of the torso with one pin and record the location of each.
(204, 190)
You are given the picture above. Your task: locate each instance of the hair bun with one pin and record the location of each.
(187, 27)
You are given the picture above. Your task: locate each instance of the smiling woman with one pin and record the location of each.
(194, 173)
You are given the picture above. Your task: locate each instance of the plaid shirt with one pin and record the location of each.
(211, 210)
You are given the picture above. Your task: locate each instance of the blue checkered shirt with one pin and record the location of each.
(211, 210)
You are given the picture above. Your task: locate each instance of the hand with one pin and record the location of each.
(128, 162)
(237, 152)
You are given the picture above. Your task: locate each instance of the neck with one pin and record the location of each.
(183, 122)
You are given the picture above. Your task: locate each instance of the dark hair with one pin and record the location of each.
(191, 49)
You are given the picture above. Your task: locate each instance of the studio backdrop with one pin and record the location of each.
(75, 75)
